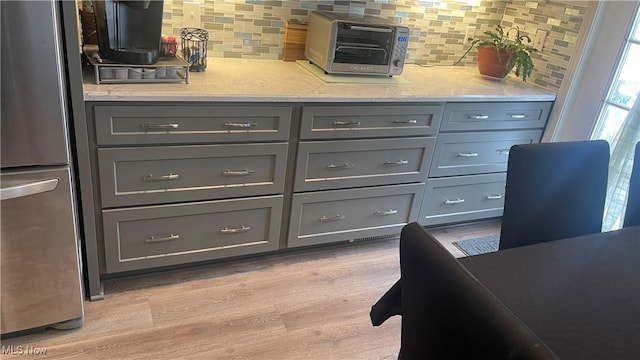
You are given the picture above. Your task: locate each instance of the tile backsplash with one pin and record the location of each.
(255, 28)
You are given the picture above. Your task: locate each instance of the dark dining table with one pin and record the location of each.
(580, 296)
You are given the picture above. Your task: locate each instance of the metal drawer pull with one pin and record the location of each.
(160, 126)
(237, 173)
(235, 230)
(494, 197)
(405, 121)
(336, 217)
(241, 125)
(346, 123)
(478, 117)
(395, 163)
(155, 239)
(519, 116)
(385, 212)
(468, 154)
(342, 166)
(503, 151)
(169, 176)
(456, 201)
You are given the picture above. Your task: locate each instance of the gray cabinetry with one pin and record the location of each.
(495, 116)
(355, 163)
(182, 183)
(162, 174)
(352, 214)
(360, 170)
(462, 198)
(178, 184)
(362, 121)
(477, 152)
(127, 124)
(152, 236)
(467, 174)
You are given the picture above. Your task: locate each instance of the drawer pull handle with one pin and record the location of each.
(405, 121)
(519, 116)
(160, 126)
(243, 125)
(156, 239)
(242, 229)
(468, 155)
(503, 151)
(494, 197)
(346, 123)
(385, 212)
(237, 173)
(169, 176)
(456, 201)
(341, 166)
(477, 117)
(396, 163)
(336, 217)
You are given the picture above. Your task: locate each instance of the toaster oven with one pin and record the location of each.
(355, 44)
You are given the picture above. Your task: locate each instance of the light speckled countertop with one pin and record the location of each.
(279, 81)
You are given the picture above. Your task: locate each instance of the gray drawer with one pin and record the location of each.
(462, 198)
(355, 163)
(495, 116)
(152, 175)
(332, 122)
(162, 124)
(477, 153)
(339, 215)
(152, 236)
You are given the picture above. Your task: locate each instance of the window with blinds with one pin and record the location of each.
(619, 124)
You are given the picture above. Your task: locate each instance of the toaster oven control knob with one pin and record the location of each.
(397, 63)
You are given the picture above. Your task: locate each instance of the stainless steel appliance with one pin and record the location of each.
(40, 269)
(129, 30)
(355, 44)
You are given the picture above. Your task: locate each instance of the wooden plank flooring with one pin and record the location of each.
(311, 304)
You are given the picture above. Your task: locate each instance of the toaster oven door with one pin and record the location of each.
(365, 49)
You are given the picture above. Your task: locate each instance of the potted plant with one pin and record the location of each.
(499, 55)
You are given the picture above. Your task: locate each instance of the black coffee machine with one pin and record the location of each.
(129, 30)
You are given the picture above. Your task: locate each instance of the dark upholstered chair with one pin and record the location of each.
(554, 191)
(448, 314)
(632, 214)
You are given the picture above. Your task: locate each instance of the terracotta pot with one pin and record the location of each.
(490, 64)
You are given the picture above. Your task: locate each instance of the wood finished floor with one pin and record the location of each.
(311, 304)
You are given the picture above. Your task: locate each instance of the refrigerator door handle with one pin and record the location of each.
(32, 188)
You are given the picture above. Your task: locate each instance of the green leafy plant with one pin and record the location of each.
(519, 51)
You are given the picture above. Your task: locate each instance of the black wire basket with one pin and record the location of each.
(194, 48)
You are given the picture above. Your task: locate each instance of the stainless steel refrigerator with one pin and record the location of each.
(40, 269)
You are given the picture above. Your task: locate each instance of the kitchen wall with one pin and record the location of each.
(562, 21)
(255, 28)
